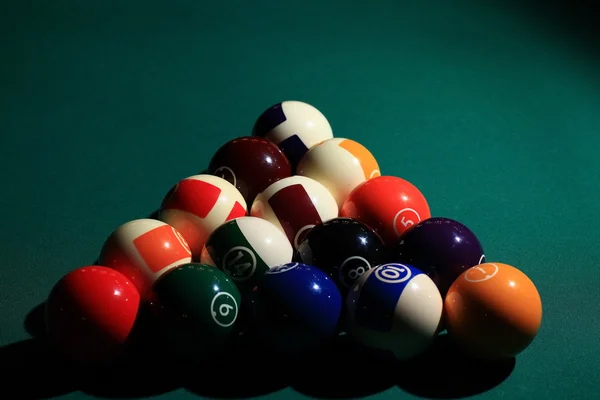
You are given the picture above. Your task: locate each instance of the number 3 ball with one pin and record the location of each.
(295, 204)
(198, 205)
(196, 307)
(387, 204)
(295, 308)
(394, 309)
(493, 311)
(294, 126)
(250, 164)
(245, 248)
(344, 249)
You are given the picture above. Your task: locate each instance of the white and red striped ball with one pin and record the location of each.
(294, 126)
(340, 165)
(143, 250)
(394, 310)
(295, 205)
(198, 205)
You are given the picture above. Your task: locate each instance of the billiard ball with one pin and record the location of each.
(198, 205)
(295, 308)
(294, 126)
(142, 250)
(340, 165)
(442, 248)
(245, 248)
(344, 249)
(195, 307)
(295, 205)
(493, 311)
(250, 164)
(90, 314)
(394, 310)
(388, 204)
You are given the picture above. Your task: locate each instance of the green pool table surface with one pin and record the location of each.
(490, 108)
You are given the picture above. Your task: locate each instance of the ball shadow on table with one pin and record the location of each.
(444, 372)
(338, 371)
(329, 372)
(31, 371)
(136, 375)
(34, 321)
(241, 372)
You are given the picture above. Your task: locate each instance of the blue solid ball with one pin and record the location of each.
(295, 308)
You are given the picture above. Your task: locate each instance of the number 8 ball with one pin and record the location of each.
(344, 249)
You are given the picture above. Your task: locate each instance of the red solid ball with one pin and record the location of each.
(91, 312)
(387, 204)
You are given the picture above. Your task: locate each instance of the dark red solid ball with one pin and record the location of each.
(250, 164)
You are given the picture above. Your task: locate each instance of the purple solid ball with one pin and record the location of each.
(440, 247)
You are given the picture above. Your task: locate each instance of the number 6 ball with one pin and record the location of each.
(196, 308)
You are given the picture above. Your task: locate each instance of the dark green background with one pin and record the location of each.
(492, 110)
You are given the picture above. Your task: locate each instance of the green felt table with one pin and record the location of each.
(490, 108)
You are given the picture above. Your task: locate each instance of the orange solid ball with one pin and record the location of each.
(493, 311)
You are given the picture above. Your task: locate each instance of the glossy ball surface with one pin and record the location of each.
(144, 249)
(245, 248)
(198, 205)
(387, 204)
(344, 249)
(394, 309)
(91, 312)
(250, 164)
(294, 126)
(493, 311)
(442, 248)
(295, 308)
(196, 307)
(295, 205)
(340, 165)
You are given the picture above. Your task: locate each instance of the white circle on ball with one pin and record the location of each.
(300, 232)
(358, 271)
(393, 273)
(487, 275)
(219, 172)
(224, 309)
(233, 262)
(405, 220)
